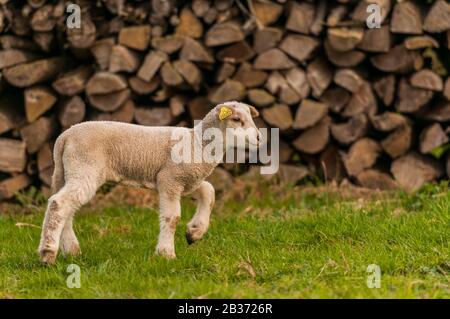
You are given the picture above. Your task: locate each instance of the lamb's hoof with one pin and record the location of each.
(73, 251)
(166, 253)
(194, 233)
(48, 257)
(189, 238)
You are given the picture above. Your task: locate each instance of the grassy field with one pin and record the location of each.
(286, 244)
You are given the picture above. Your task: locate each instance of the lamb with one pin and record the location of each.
(91, 153)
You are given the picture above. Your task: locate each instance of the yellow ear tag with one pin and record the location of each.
(224, 113)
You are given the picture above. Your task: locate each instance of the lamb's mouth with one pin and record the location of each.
(250, 144)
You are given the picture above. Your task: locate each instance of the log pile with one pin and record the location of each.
(368, 105)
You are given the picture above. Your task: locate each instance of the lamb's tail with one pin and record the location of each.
(58, 180)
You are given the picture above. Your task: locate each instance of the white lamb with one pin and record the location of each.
(91, 153)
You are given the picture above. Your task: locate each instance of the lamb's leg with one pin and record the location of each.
(62, 206)
(169, 216)
(69, 242)
(199, 224)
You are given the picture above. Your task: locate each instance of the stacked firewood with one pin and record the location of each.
(369, 105)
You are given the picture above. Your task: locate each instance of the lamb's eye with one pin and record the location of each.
(236, 119)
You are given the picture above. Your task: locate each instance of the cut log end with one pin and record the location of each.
(425, 170)
(362, 155)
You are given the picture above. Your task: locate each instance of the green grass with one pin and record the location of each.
(300, 245)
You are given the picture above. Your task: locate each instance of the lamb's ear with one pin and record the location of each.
(225, 112)
(253, 111)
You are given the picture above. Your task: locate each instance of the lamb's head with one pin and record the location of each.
(236, 118)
